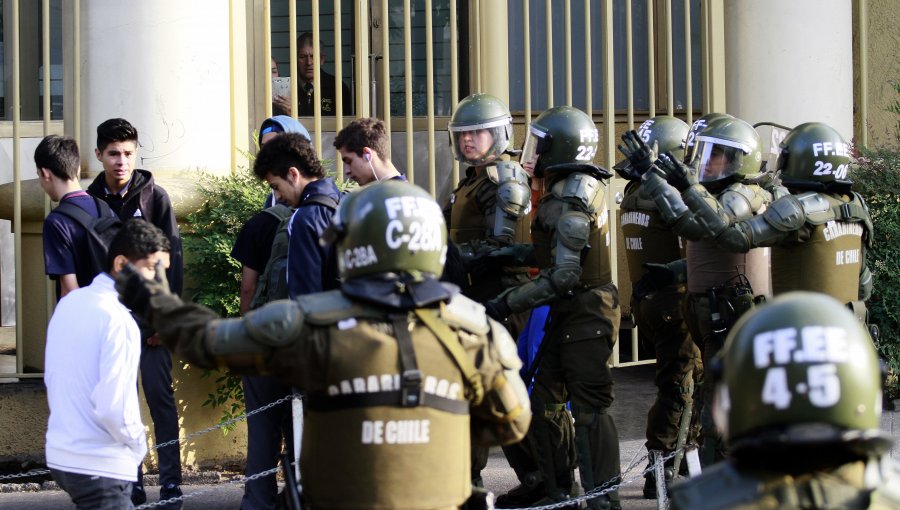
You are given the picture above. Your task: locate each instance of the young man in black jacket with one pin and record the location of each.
(132, 193)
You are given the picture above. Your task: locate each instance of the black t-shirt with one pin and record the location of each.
(253, 245)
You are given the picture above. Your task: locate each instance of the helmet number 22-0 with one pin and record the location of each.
(586, 153)
(825, 168)
(822, 386)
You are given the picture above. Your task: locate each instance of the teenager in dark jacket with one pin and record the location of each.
(132, 193)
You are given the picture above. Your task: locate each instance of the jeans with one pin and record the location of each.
(90, 492)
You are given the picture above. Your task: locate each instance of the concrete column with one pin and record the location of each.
(164, 66)
(790, 62)
(494, 42)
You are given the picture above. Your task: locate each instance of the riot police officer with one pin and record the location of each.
(820, 231)
(798, 398)
(487, 213)
(396, 366)
(649, 242)
(571, 238)
(721, 285)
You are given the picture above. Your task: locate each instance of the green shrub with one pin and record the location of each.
(878, 180)
(215, 277)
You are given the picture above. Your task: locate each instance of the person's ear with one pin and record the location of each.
(367, 154)
(293, 175)
(119, 264)
(97, 153)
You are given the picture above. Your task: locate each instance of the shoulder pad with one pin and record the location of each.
(510, 171)
(785, 214)
(492, 174)
(736, 201)
(328, 308)
(583, 188)
(816, 207)
(463, 313)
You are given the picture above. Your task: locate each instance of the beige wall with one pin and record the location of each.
(883, 70)
(24, 423)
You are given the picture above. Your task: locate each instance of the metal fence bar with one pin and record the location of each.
(688, 72)
(863, 41)
(629, 66)
(476, 20)
(429, 93)
(49, 287)
(338, 79)
(704, 54)
(292, 57)
(407, 73)
(670, 75)
(567, 30)
(588, 64)
(454, 80)
(651, 62)
(526, 67)
(385, 67)
(17, 180)
(548, 13)
(267, 55)
(317, 78)
(76, 74)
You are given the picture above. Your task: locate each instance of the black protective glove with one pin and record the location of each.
(135, 291)
(638, 153)
(658, 276)
(679, 175)
(497, 309)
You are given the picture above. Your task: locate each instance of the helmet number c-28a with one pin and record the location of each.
(421, 236)
(826, 168)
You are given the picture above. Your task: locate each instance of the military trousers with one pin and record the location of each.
(573, 368)
(678, 368)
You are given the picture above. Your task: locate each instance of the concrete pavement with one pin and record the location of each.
(634, 394)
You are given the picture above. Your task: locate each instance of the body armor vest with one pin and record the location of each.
(467, 222)
(647, 237)
(356, 427)
(595, 266)
(829, 261)
(710, 266)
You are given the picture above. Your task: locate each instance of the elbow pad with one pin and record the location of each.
(707, 213)
(242, 344)
(666, 198)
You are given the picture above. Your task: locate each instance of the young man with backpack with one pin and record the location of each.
(253, 249)
(132, 193)
(69, 239)
(290, 166)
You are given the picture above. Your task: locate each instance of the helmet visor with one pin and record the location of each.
(717, 158)
(536, 143)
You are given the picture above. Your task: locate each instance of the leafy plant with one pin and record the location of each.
(878, 180)
(228, 202)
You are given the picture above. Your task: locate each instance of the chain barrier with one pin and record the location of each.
(38, 472)
(34, 472)
(602, 490)
(241, 480)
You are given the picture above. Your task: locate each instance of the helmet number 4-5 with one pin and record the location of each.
(822, 386)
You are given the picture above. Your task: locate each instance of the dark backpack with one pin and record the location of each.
(271, 284)
(100, 231)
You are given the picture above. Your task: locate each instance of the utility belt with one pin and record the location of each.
(728, 302)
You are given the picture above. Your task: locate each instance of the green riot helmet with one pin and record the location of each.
(728, 148)
(813, 152)
(690, 141)
(799, 372)
(477, 117)
(388, 227)
(666, 132)
(560, 136)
